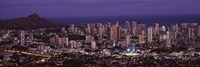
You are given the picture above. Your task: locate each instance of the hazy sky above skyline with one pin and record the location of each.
(71, 8)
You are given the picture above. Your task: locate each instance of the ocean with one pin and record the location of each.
(165, 20)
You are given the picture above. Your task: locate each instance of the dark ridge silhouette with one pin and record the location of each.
(30, 22)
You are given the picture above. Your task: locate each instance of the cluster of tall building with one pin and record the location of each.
(143, 34)
(132, 33)
(59, 41)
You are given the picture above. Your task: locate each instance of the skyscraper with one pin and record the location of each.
(88, 38)
(61, 42)
(118, 31)
(100, 34)
(168, 40)
(190, 32)
(88, 30)
(66, 41)
(114, 33)
(149, 35)
(174, 31)
(128, 25)
(93, 44)
(134, 30)
(22, 38)
(162, 34)
(199, 30)
(156, 29)
(141, 38)
(63, 30)
(108, 30)
(71, 29)
(140, 28)
(128, 40)
(117, 24)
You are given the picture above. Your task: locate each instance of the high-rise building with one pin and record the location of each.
(118, 31)
(16, 41)
(52, 41)
(22, 38)
(141, 38)
(93, 44)
(128, 25)
(92, 39)
(184, 25)
(93, 29)
(88, 30)
(128, 40)
(134, 30)
(114, 33)
(167, 35)
(72, 44)
(108, 30)
(174, 31)
(140, 28)
(88, 38)
(117, 24)
(79, 44)
(109, 24)
(72, 28)
(99, 25)
(61, 42)
(190, 32)
(168, 42)
(156, 29)
(199, 30)
(66, 41)
(149, 35)
(100, 34)
(63, 30)
(162, 34)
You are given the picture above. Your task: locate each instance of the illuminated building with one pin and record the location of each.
(108, 30)
(88, 29)
(72, 44)
(63, 30)
(60, 42)
(128, 25)
(162, 34)
(93, 44)
(128, 40)
(88, 38)
(199, 30)
(190, 32)
(22, 38)
(140, 28)
(100, 34)
(149, 35)
(72, 28)
(168, 43)
(66, 41)
(114, 33)
(174, 31)
(118, 31)
(141, 38)
(156, 29)
(134, 30)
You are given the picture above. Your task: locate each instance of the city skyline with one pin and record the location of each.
(99, 33)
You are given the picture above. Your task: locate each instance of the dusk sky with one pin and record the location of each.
(71, 8)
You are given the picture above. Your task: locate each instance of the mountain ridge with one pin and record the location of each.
(30, 22)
